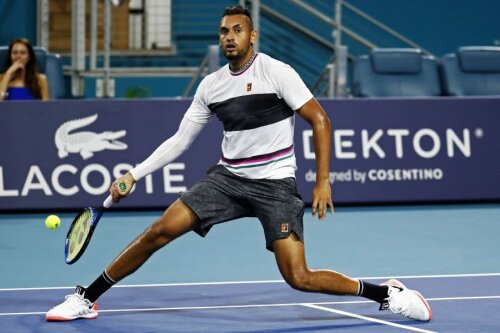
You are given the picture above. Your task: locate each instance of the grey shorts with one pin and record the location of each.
(222, 196)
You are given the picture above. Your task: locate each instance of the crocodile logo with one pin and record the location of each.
(84, 142)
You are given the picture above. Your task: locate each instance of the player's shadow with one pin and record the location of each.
(319, 328)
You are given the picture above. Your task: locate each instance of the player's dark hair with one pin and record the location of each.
(31, 78)
(238, 10)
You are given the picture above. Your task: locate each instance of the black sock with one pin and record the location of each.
(372, 291)
(98, 287)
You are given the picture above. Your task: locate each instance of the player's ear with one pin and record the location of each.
(253, 37)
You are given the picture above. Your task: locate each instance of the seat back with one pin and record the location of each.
(395, 72)
(3, 56)
(49, 64)
(471, 71)
(55, 76)
(40, 53)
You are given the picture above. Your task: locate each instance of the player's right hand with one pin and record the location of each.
(121, 187)
(17, 65)
(322, 199)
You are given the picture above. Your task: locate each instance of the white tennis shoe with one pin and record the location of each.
(75, 306)
(407, 302)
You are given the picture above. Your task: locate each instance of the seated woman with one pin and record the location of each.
(22, 79)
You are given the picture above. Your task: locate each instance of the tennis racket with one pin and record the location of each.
(81, 231)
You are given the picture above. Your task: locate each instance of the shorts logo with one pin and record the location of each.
(249, 86)
(284, 227)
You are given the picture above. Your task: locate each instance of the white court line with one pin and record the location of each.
(353, 315)
(435, 276)
(242, 306)
(188, 308)
(263, 281)
(464, 298)
(159, 285)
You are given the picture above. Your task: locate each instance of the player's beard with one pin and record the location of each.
(237, 54)
(232, 55)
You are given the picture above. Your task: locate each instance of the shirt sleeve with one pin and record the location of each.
(198, 111)
(170, 149)
(288, 84)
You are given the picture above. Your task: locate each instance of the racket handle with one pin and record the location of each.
(108, 202)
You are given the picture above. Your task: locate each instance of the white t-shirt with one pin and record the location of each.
(256, 108)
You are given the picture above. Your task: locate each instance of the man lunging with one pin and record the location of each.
(256, 98)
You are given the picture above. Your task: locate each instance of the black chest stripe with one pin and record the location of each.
(253, 111)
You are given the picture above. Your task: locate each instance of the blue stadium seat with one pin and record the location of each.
(472, 71)
(3, 55)
(55, 76)
(48, 63)
(395, 72)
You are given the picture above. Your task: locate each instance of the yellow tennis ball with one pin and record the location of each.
(52, 222)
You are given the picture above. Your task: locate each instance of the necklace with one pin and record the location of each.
(245, 66)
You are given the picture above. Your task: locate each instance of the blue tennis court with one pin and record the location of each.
(228, 282)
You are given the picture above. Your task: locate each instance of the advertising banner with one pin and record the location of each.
(409, 150)
(65, 154)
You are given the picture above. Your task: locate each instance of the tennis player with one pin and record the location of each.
(256, 98)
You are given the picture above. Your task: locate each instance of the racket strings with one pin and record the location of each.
(78, 235)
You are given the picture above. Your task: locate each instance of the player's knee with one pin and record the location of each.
(156, 235)
(298, 279)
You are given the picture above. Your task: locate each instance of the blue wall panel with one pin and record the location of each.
(441, 26)
(18, 19)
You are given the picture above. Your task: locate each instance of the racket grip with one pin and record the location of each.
(108, 202)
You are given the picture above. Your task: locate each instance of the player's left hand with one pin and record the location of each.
(322, 199)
